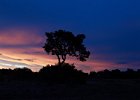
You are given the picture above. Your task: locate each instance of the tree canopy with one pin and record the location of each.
(64, 43)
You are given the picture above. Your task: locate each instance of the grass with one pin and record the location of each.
(107, 89)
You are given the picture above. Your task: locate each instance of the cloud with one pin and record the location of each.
(30, 60)
(41, 52)
(19, 37)
(5, 57)
(10, 58)
(11, 64)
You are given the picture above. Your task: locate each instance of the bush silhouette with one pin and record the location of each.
(64, 73)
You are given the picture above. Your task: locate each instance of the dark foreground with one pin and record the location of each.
(127, 89)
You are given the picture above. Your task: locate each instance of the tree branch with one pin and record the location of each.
(63, 58)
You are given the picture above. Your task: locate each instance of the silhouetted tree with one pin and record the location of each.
(62, 43)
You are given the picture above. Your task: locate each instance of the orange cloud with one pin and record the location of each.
(19, 37)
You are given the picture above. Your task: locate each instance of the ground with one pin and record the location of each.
(111, 89)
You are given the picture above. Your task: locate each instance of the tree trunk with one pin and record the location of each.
(59, 62)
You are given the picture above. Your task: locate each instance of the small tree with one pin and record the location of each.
(63, 43)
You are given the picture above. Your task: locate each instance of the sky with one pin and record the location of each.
(112, 29)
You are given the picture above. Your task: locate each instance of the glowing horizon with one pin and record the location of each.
(25, 50)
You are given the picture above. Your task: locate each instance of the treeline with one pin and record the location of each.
(65, 73)
(115, 74)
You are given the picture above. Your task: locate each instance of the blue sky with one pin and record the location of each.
(112, 27)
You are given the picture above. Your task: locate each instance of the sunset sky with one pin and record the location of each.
(112, 29)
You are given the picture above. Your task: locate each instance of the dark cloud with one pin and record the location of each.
(34, 52)
(30, 60)
(17, 59)
(10, 58)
